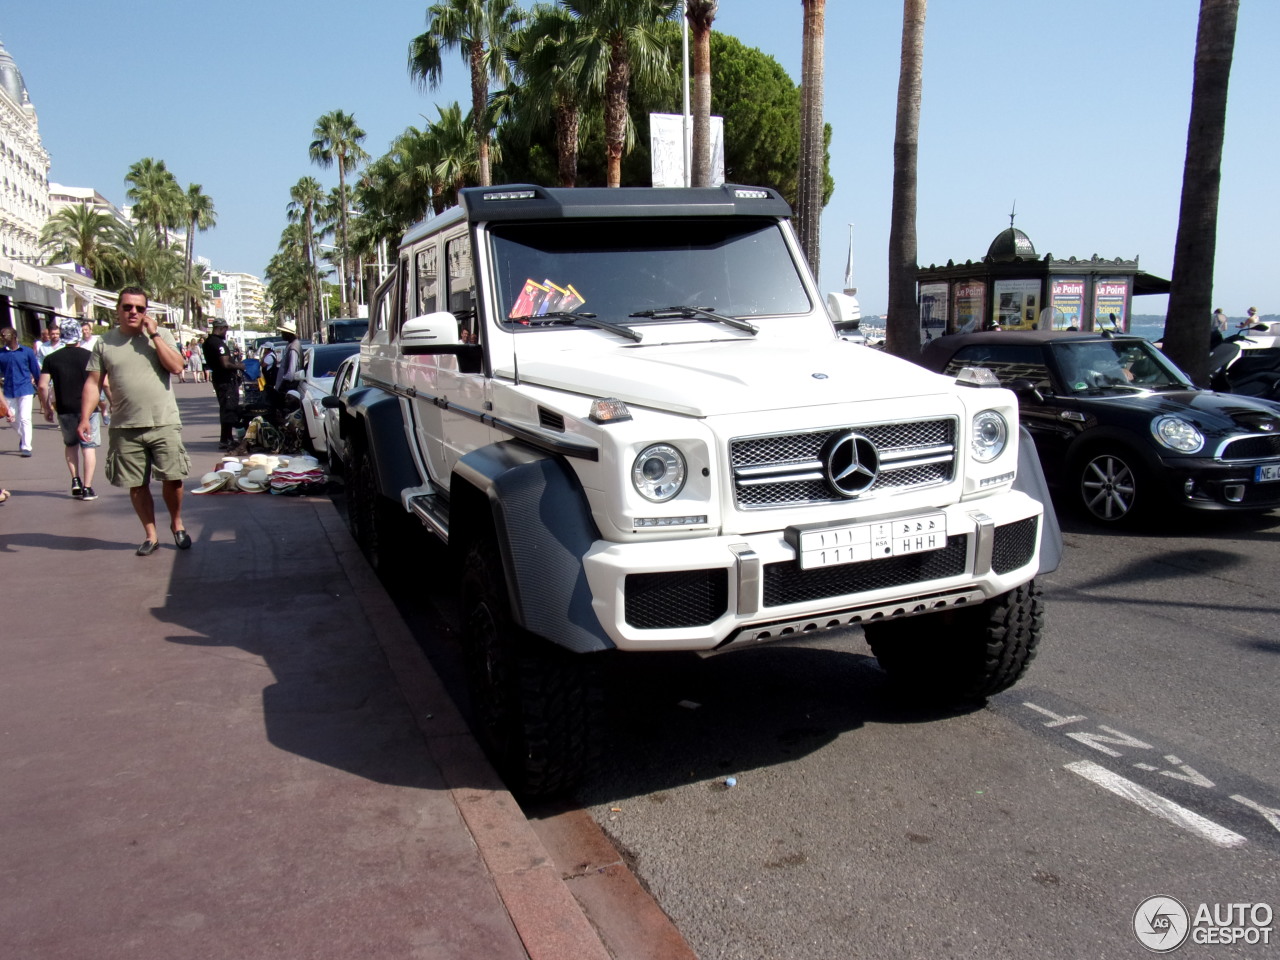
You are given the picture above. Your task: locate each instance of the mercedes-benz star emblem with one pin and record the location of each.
(852, 464)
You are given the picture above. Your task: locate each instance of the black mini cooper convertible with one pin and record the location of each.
(1121, 429)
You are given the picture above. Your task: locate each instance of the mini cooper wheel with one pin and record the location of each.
(1113, 486)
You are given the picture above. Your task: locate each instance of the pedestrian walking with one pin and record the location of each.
(64, 370)
(50, 342)
(225, 372)
(139, 359)
(20, 370)
(4, 412)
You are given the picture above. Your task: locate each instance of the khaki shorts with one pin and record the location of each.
(136, 454)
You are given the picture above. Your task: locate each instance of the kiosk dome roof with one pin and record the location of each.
(1011, 244)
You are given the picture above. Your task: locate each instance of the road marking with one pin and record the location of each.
(1058, 719)
(1271, 814)
(1096, 740)
(1154, 803)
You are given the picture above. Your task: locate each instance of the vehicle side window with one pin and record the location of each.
(1008, 361)
(404, 303)
(462, 286)
(428, 275)
(382, 306)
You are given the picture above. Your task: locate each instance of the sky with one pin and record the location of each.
(1073, 113)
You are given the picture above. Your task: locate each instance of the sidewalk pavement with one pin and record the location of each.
(238, 751)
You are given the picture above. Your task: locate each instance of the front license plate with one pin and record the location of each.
(858, 542)
(1268, 471)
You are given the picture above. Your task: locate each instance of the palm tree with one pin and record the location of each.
(304, 197)
(480, 29)
(158, 201)
(1191, 286)
(551, 84)
(200, 216)
(619, 42)
(455, 150)
(138, 256)
(81, 234)
(700, 14)
(812, 146)
(902, 330)
(337, 139)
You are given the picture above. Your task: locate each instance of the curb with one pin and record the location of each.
(548, 919)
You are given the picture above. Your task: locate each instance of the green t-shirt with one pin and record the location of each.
(141, 394)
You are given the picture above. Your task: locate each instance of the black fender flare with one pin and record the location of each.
(540, 517)
(1031, 481)
(378, 428)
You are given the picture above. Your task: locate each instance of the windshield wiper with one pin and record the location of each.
(689, 313)
(590, 318)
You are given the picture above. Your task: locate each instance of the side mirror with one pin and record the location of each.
(331, 402)
(1026, 391)
(437, 329)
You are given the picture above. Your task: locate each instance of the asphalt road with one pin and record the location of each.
(1137, 758)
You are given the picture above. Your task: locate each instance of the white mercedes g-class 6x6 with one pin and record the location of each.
(629, 416)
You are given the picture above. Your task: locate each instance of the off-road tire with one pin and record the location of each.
(538, 708)
(963, 654)
(372, 518)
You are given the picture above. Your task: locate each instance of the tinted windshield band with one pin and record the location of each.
(739, 267)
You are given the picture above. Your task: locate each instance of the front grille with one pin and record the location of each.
(1252, 448)
(785, 582)
(787, 469)
(681, 598)
(1014, 545)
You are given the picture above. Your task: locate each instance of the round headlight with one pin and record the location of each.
(1177, 434)
(658, 473)
(990, 434)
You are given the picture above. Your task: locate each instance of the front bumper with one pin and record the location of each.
(1205, 484)
(705, 594)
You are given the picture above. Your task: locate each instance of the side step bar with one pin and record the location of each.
(433, 511)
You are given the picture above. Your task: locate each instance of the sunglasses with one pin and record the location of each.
(132, 308)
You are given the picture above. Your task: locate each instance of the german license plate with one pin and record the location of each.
(859, 542)
(1268, 471)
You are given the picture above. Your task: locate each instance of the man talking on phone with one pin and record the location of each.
(138, 358)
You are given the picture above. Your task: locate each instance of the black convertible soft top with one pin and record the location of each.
(935, 354)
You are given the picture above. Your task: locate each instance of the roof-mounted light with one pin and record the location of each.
(511, 195)
(751, 194)
(977, 377)
(609, 410)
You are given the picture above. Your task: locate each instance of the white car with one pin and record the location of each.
(319, 367)
(348, 378)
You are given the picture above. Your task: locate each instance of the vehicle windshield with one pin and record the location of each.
(1094, 366)
(614, 269)
(326, 358)
(346, 331)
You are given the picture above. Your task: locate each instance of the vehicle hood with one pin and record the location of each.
(1222, 413)
(734, 376)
